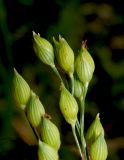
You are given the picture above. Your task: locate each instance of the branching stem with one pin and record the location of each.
(57, 73)
(82, 110)
(76, 139)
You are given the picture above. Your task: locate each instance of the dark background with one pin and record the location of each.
(102, 25)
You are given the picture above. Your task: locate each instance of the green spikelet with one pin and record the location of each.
(68, 106)
(35, 110)
(46, 152)
(98, 150)
(84, 65)
(50, 133)
(94, 130)
(64, 55)
(21, 89)
(43, 49)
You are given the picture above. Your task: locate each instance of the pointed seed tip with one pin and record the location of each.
(97, 116)
(59, 36)
(15, 71)
(33, 33)
(54, 39)
(84, 44)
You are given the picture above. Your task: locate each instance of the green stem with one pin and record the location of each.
(57, 73)
(76, 139)
(78, 126)
(82, 110)
(82, 128)
(72, 83)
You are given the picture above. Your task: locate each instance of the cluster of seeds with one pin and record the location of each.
(47, 132)
(80, 71)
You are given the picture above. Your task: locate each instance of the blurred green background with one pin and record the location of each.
(101, 23)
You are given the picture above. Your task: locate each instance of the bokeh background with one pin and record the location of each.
(101, 23)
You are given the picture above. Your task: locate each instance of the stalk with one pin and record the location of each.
(76, 140)
(82, 110)
(57, 73)
(78, 126)
(72, 83)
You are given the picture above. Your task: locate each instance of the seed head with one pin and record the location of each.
(84, 65)
(35, 110)
(94, 130)
(46, 152)
(64, 55)
(21, 89)
(68, 106)
(43, 49)
(98, 150)
(50, 133)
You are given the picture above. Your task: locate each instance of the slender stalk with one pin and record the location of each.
(76, 139)
(78, 126)
(82, 110)
(57, 73)
(82, 129)
(72, 83)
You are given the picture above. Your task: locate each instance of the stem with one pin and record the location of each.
(72, 83)
(78, 126)
(76, 139)
(57, 73)
(82, 110)
(82, 128)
